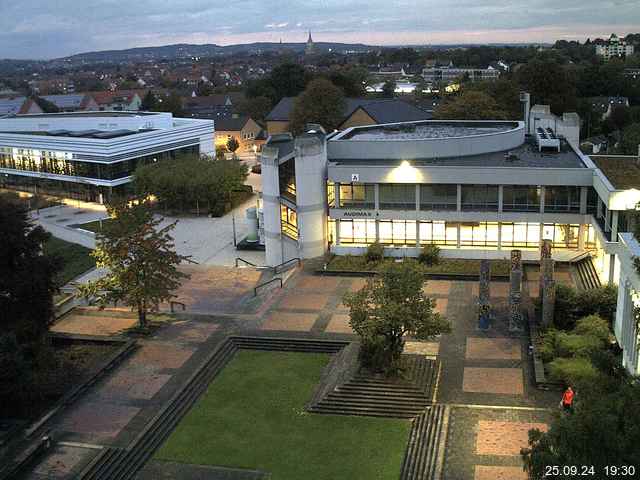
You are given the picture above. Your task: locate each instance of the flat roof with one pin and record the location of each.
(87, 114)
(622, 171)
(432, 129)
(526, 155)
(100, 134)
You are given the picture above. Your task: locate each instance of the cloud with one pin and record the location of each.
(46, 28)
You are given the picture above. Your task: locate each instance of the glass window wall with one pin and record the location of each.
(480, 235)
(397, 232)
(289, 221)
(357, 195)
(520, 235)
(397, 196)
(439, 233)
(516, 198)
(562, 199)
(562, 235)
(480, 197)
(361, 232)
(438, 197)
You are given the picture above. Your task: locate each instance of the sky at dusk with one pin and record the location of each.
(55, 28)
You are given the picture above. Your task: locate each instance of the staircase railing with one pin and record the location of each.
(238, 259)
(287, 263)
(276, 279)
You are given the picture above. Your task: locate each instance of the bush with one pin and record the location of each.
(430, 255)
(547, 345)
(564, 314)
(572, 371)
(593, 326)
(572, 345)
(375, 253)
(600, 301)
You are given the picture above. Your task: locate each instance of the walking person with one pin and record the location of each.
(567, 400)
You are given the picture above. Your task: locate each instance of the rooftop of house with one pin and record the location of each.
(427, 130)
(231, 123)
(66, 101)
(381, 110)
(9, 106)
(623, 171)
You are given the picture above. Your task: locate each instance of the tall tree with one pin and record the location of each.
(46, 105)
(149, 102)
(630, 140)
(172, 103)
(256, 107)
(140, 259)
(389, 89)
(27, 286)
(233, 145)
(549, 83)
(388, 308)
(322, 102)
(470, 105)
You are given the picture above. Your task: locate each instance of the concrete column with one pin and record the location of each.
(458, 235)
(336, 240)
(599, 208)
(417, 197)
(612, 268)
(542, 194)
(484, 295)
(271, 206)
(459, 201)
(583, 200)
(500, 197)
(547, 267)
(614, 225)
(499, 236)
(582, 233)
(376, 196)
(548, 303)
(311, 195)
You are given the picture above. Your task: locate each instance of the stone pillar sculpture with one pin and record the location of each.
(484, 295)
(548, 302)
(546, 263)
(515, 292)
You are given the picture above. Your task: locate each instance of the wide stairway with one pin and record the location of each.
(424, 449)
(586, 273)
(376, 395)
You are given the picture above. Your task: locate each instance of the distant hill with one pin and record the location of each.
(183, 50)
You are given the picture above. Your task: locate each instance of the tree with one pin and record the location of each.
(470, 105)
(140, 259)
(549, 83)
(172, 103)
(322, 102)
(603, 430)
(149, 102)
(389, 89)
(630, 140)
(233, 145)
(288, 80)
(256, 107)
(389, 307)
(27, 286)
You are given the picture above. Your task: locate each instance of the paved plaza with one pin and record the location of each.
(485, 376)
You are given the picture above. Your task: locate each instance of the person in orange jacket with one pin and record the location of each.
(567, 399)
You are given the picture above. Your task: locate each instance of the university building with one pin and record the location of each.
(477, 189)
(92, 155)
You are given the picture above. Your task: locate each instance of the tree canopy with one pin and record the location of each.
(388, 307)
(630, 140)
(140, 260)
(470, 105)
(322, 102)
(549, 83)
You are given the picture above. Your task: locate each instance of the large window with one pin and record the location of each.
(287, 178)
(484, 234)
(397, 196)
(397, 232)
(520, 235)
(289, 221)
(521, 198)
(562, 235)
(357, 195)
(439, 233)
(358, 231)
(592, 201)
(438, 197)
(562, 199)
(480, 197)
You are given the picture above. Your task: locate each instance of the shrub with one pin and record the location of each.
(601, 301)
(572, 371)
(375, 252)
(566, 299)
(430, 255)
(593, 326)
(547, 345)
(572, 345)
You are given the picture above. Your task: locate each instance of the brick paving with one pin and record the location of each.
(339, 323)
(486, 472)
(162, 355)
(493, 380)
(504, 438)
(61, 463)
(304, 301)
(493, 348)
(94, 324)
(301, 322)
(98, 419)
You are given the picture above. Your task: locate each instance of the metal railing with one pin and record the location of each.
(238, 259)
(255, 290)
(287, 263)
(173, 303)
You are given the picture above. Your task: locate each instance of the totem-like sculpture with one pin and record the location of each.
(516, 321)
(545, 256)
(484, 295)
(548, 303)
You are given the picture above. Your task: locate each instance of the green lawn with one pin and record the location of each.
(445, 265)
(252, 416)
(75, 258)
